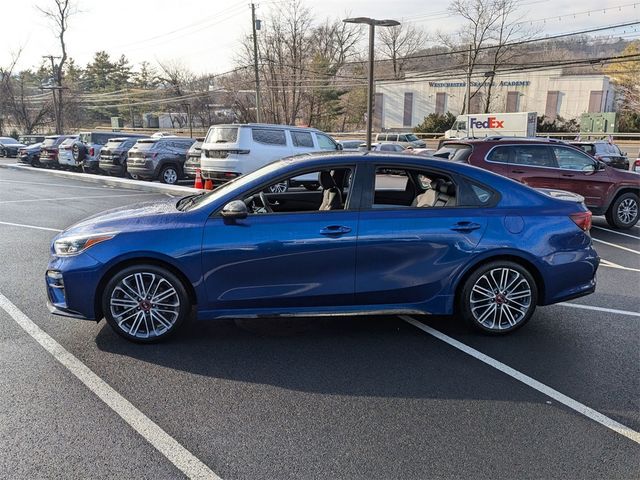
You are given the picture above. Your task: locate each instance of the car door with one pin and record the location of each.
(300, 259)
(531, 164)
(580, 174)
(408, 254)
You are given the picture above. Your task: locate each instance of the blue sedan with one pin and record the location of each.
(386, 234)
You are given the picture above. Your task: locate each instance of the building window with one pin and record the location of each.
(595, 101)
(551, 109)
(378, 108)
(513, 102)
(476, 103)
(408, 109)
(441, 103)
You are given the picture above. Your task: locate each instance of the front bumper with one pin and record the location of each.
(72, 284)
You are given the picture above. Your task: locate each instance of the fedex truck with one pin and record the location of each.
(520, 124)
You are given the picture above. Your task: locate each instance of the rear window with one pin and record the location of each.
(454, 152)
(222, 135)
(67, 141)
(269, 136)
(50, 141)
(146, 144)
(586, 147)
(114, 143)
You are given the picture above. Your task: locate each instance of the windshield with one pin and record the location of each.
(236, 183)
(222, 135)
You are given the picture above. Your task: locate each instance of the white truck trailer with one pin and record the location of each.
(479, 125)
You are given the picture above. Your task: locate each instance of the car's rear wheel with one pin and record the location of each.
(499, 297)
(623, 212)
(169, 175)
(3, 152)
(145, 303)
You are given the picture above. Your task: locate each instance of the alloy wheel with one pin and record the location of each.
(500, 299)
(627, 210)
(279, 187)
(170, 176)
(145, 305)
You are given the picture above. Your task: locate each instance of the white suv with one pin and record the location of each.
(232, 150)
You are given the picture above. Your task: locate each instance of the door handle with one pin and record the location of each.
(567, 174)
(465, 227)
(335, 230)
(517, 171)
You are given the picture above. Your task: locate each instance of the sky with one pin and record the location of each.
(205, 35)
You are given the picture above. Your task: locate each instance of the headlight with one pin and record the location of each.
(67, 246)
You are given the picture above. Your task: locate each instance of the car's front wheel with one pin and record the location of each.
(623, 212)
(499, 297)
(3, 152)
(145, 303)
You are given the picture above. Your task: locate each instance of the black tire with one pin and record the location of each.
(143, 318)
(475, 300)
(34, 162)
(78, 152)
(3, 152)
(623, 213)
(170, 174)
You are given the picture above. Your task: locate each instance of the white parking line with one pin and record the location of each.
(615, 231)
(616, 246)
(600, 309)
(184, 460)
(106, 187)
(536, 385)
(75, 198)
(30, 226)
(607, 263)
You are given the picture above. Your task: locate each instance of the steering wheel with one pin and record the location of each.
(265, 202)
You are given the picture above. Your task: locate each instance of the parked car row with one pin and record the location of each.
(160, 158)
(554, 164)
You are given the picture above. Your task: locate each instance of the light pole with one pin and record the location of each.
(372, 32)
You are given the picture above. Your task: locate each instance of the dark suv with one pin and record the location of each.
(609, 153)
(159, 158)
(113, 156)
(554, 164)
(86, 152)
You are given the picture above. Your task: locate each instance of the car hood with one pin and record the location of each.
(142, 216)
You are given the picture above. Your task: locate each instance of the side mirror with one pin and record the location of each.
(235, 210)
(589, 168)
(340, 146)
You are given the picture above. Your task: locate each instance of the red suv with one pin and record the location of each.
(543, 163)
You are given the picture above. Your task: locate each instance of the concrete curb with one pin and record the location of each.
(124, 183)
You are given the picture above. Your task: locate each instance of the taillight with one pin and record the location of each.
(636, 165)
(582, 220)
(92, 151)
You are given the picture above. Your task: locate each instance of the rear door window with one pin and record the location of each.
(269, 136)
(526, 155)
(302, 139)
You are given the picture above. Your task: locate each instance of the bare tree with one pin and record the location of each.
(489, 30)
(59, 15)
(398, 43)
(20, 100)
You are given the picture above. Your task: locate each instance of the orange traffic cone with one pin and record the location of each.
(208, 184)
(198, 183)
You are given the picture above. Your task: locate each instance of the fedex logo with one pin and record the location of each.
(491, 122)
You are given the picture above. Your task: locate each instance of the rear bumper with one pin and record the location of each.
(219, 177)
(112, 169)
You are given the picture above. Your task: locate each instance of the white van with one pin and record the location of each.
(232, 150)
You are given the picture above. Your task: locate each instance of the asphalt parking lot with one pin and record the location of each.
(380, 397)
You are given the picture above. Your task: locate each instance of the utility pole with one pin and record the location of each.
(255, 64)
(188, 105)
(468, 106)
(56, 113)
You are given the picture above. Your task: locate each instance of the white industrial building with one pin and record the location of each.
(405, 103)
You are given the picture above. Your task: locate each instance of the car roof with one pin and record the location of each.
(266, 125)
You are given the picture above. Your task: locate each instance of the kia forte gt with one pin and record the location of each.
(386, 234)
